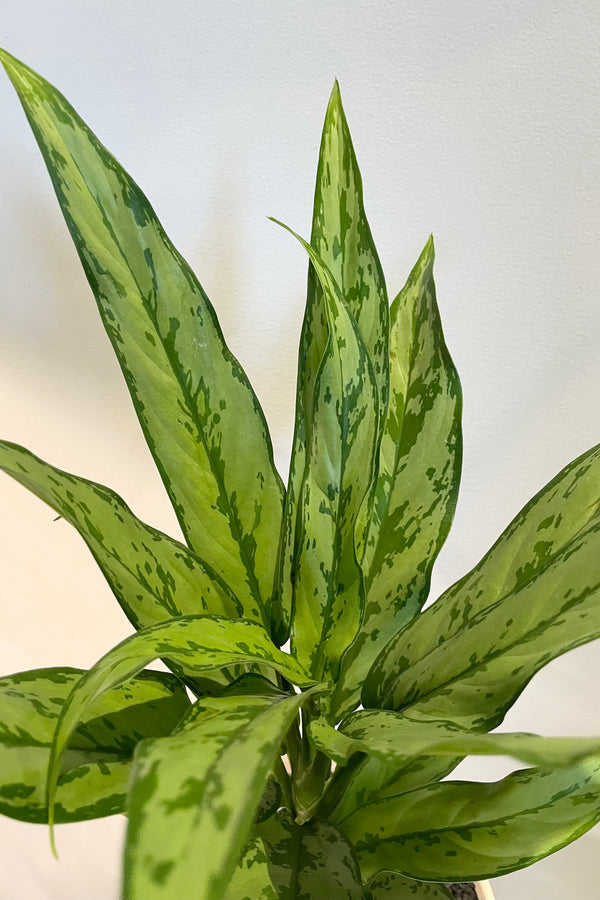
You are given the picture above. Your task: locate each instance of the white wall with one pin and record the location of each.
(476, 120)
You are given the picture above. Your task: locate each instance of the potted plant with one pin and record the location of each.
(317, 770)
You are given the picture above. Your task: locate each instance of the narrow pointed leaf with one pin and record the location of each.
(395, 738)
(463, 831)
(390, 886)
(418, 473)
(310, 860)
(200, 643)
(328, 590)
(152, 576)
(188, 390)
(534, 596)
(186, 792)
(342, 238)
(97, 762)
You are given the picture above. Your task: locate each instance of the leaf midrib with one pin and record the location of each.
(484, 611)
(524, 639)
(481, 823)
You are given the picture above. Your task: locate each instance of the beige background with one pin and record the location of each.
(477, 120)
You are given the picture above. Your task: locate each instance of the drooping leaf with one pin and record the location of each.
(200, 643)
(152, 576)
(96, 764)
(463, 831)
(390, 886)
(532, 597)
(195, 794)
(342, 238)
(189, 392)
(396, 738)
(339, 471)
(418, 474)
(310, 860)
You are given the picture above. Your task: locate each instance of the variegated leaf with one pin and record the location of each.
(342, 238)
(152, 576)
(200, 643)
(369, 778)
(96, 764)
(390, 886)
(328, 589)
(311, 860)
(463, 831)
(418, 474)
(532, 597)
(194, 796)
(396, 738)
(188, 390)
(251, 880)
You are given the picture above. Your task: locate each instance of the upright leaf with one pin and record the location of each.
(532, 597)
(188, 390)
(418, 473)
(200, 643)
(466, 831)
(310, 860)
(340, 457)
(342, 238)
(96, 764)
(152, 576)
(187, 826)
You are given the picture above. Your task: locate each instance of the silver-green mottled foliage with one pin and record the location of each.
(461, 830)
(390, 885)
(271, 784)
(188, 390)
(186, 790)
(96, 764)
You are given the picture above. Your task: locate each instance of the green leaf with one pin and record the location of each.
(152, 576)
(533, 596)
(310, 860)
(200, 643)
(395, 738)
(186, 792)
(328, 590)
(390, 886)
(270, 800)
(419, 472)
(342, 238)
(463, 831)
(369, 778)
(188, 390)
(251, 879)
(96, 764)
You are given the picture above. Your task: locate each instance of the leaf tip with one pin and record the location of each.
(16, 70)
(335, 99)
(10, 62)
(5, 58)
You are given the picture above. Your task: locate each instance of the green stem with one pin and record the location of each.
(337, 784)
(284, 781)
(309, 776)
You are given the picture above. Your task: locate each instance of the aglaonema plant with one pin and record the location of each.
(316, 772)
